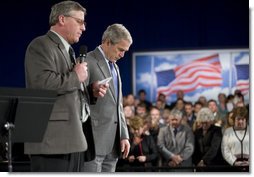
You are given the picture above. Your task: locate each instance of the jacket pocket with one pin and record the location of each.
(59, 116)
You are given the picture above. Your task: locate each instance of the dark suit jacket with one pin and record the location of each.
(108, 120)
(48, 66)
(149, 149)
(208, 147)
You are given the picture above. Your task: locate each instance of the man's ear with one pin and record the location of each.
(108, 42)
(61, 19)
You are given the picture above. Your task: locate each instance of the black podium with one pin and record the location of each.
(24, 113)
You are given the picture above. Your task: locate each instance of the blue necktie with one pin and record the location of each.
(114, 76)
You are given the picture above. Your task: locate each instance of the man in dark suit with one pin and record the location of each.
(108, 121)
(48, 65)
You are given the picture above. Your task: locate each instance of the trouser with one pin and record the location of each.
(102, 163)
(73, 162)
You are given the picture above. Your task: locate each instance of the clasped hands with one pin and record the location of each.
(175, 161)
(139, 158)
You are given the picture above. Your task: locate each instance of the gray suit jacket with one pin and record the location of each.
(48, 66)
(182, 144)
(108, 120)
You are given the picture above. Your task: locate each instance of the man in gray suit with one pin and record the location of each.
(108, 122)
(48, 65)
(176, 143)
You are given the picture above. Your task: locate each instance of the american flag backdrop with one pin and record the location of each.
(198, 73)
(242, 82)
(203, 72)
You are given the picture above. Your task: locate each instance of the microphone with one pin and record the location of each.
(82, 53)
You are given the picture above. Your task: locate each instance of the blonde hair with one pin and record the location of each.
(136, 122)
(205, 114)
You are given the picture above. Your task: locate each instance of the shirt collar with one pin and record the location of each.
(65, 43)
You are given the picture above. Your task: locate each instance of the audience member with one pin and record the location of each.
(202, 99)
(208, 138)
(162, 97)
(176, 143)
(143, 151)
(222, 104)
(236, 140)
(142, 99)
(141, 110)
(155, 123)
(179, 95)
(197, 106)
(130, 101)
(179, 105)
(220, 121)
(189, 116)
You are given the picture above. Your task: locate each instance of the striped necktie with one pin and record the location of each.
(72, 55)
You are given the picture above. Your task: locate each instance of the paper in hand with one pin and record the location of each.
(105, 81)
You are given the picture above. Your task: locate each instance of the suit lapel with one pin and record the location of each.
(103, 66)
(61, 47)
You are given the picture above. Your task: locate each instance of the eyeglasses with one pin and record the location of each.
(240, 118)
(78, 20)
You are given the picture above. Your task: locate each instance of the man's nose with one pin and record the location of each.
(83, 27)
(121, 54)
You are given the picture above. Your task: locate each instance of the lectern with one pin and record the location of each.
(25, 114)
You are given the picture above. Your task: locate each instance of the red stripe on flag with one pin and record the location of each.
(203, 72)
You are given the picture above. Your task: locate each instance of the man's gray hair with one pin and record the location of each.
(205, 114)
(177, 113)
(115, 33)
(64, 8)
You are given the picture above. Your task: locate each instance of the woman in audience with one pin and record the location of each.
(229, 120)
(207, 142)
(236, 141)
(143, 151)
(128, 113)
(202, 99)
(222, 104)
(155, 122)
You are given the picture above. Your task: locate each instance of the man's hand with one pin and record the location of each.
(241, 163)
(177, 159)
(125, 147)
(172, 163)
(141, 158)
(201, 164)
(99, 90)
(131, 158)
(81, 71)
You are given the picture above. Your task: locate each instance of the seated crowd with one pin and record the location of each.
(206, 135)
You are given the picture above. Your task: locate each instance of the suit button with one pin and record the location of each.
(115, 122)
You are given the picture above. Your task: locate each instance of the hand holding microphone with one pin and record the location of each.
(81, 71)
(99, 89)
(81, 67)
(82, 53)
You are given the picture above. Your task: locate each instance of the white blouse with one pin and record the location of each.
(231, 147)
